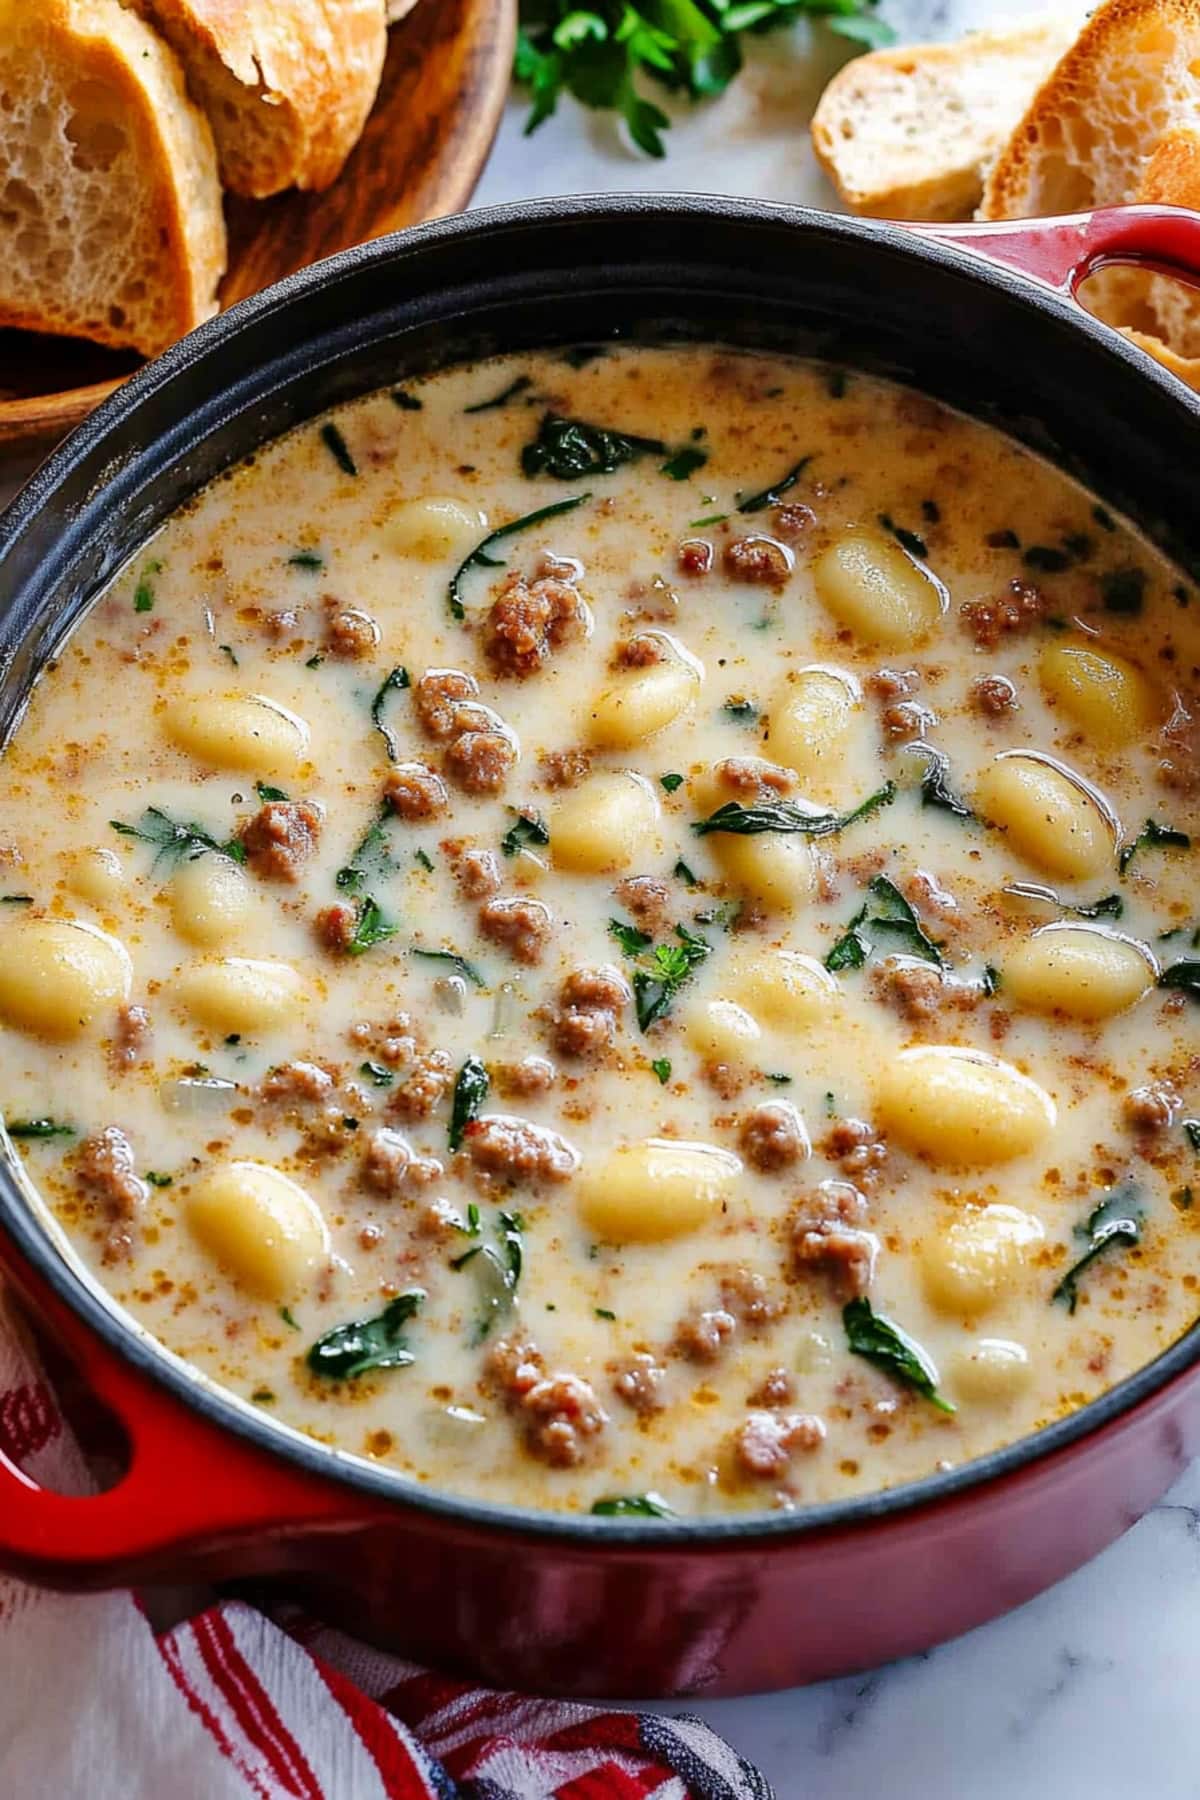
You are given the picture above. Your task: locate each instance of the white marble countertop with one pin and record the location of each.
(1090, 1692)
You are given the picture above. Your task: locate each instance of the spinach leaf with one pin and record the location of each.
(771, 496)
(662, 1068)
(684, 463)
(935, 784)
(669, 783)
(39, 1128)
(784, 815)
(1110, 906)
(470, 1092)
(1117, 1220)
(458, 963)
(1183, 975)
(530, 828)
(569, 449)
(143, 597)
(503, 397)
(912, 541)
(1153, 836)
(371, 927)
(306, 559)
(175, 842)
(370, 856)
(883, 1343)
(668, 969)
(365, 1344)
(744, 712)
(497, 1269)
(393, 684)
(480, 557)
(337, 447)
(887, 915)
(631, 939)
(633, 1506)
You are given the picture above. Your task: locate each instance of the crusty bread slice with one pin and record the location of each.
(1118, 121)
(1088, 137)
(110, 206)
(908, 133)
(286, 84)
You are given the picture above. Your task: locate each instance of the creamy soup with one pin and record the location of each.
(617, 930)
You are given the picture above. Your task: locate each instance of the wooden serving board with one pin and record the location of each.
(425, 144)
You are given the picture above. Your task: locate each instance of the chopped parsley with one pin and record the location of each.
(143, 594)
(530, 828)
(869, 1334)
(265, 792)
(480, 557)
(16, 899)
(470, 1092)
(458, 963)
(424, 859)
(666, 969)
(1153, 836)
(229, 651)
(1109, 906)
(306, 559)
(630, 937)
(771, 496)
(785, 816)
(886, 915)
(367, 1344)
(175, 842)
(684, 463)
(1116, 1221)
(285, 1313)
(912, 541)
(669, 783)
(1191, 1130)
(337, 447)
(662, 1068)
(602, 1312)
(514, 388)
(158, 1181)
(632, 1506)
(39, 1128)
(394, 683)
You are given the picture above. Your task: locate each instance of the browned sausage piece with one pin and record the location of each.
(480, 758)
(564, 768)
(293, 1083)
(914, 990)
(437, 697)
(280, 838)
(423, 1086)
(479, 874)
(519, 1080)
(859, 1149)
(335, 926)
(764, 1446)
(1153, 1107)
(528, 620)
(827, 1236)
(757, 559)
(701, 1336)
(560, 1411)
(520, 926)
(993, 696)
(1020, 606)
(772, 1137)
(645, 898)
(415, 792)
(776, 1389)
(694, 556)
(349, 633)
(500, 1144)
(1180, 744)
(637, 1382)
(584, 1023)
(105, 1169)
(390, 1167)
(131, 1036)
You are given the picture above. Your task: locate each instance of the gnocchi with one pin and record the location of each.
(661, 1188)
(261, 1225)
(211, 900)
(724, 1031)
(1049, 814)
(240, 995)
(1079, 970)
(878, 591)
(993, 1372)
(960, 1106)
(642, 702)
(239, 731)
(787, 988)
(1100, 691)
(605, 824)
(813, 723)
(970, 1266)
(434, 528)
(58, 976)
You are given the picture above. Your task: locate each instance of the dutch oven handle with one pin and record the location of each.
(1062, 253)
(189, 1488)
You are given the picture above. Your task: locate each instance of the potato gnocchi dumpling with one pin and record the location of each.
(646, 943)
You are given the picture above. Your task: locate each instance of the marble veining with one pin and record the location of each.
(1090, 1691)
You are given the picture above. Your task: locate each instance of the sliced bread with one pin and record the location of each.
(286, 84)
(110, 205)
(908, 133)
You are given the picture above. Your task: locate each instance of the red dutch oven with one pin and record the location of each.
(212, 1490)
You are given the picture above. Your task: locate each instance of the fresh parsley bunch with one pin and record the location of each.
(596, 51)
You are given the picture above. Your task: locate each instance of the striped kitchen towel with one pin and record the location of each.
(95, 1705)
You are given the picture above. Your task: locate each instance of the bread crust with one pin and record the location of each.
(99, 42)
(287, 84)
(1069, 94)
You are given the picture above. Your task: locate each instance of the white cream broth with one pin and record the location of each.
(683, 1320)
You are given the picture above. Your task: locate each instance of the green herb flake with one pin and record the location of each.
(378, 1074)
(778, 1080)
(785, 816)
(371, 927)
(143, 594)
(1191, 1130)
(1153, 836)
(268, 793)
(285, 1313)
(686, 875)
(836, 383)
(630, 937)
(632, 1506)
(669, 783)
(314, 662)
(1104, 518)
(666, 970)
(1115, 1222)
(480, 557)
(1124, 590)
(405, 401)
(175, 842)
(1109, 906)
(425, 860)
(571, 449)
(602, 1312)
(684, 463)
(869, 1334)
(158, 1181)
(229, 651)
(39, 1128)
(349, 1351)
(519, 386)
(306, 559)
(771, 496)
(263, 1397)
(662, 1068)
(458, 963)
(1185, 976)
(470, 1092)
(742, 711)
(886, 915)
(16, 899)
(912, 541)
(337, 447)
(530, 828)
(393, 683)
(497, 1269)
(710, 519)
